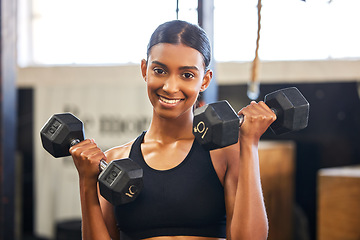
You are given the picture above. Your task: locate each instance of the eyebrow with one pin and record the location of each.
(180, 68)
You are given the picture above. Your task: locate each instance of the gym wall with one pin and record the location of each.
(114, 111)
(330, 140)
(112, 102)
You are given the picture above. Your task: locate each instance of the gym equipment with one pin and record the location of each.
(120, 181)
(216, 125)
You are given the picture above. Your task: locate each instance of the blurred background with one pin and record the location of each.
(84, 57)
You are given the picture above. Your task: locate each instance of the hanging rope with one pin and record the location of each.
(253, 87)
(177, 9)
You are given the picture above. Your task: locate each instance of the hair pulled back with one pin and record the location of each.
(176, 32)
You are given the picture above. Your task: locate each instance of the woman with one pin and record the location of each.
(189, 193)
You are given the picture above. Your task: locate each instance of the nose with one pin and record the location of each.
(171, 85)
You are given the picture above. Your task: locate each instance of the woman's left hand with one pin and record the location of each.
(257, 118)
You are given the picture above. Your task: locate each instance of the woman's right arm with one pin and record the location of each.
(97, 220)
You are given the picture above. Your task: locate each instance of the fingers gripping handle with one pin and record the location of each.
(242, 118)
(103, 164)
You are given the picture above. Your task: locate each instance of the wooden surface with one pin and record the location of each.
(339, 203)
(277, 161)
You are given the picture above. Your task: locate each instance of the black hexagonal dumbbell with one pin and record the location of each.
(120, 181)
(216, 125)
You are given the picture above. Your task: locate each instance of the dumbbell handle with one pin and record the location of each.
(241, 119)
(102, 165)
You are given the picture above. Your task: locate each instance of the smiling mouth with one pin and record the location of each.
(169, 101)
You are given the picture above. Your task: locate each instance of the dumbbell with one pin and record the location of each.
(216, 125)
(120, 181)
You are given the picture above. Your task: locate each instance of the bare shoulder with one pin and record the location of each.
(119, 152)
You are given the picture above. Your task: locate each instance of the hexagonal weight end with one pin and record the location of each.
(58, 133)
(216, 125)
(121, 181)
(291, 109)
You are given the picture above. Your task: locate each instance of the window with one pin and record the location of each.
(93, 31)
(53, 32)
(290, 30)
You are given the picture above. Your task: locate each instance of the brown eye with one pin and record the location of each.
(188, 75)
(159, 71)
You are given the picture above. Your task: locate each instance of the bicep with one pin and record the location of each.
(232, 155)
(109, 218)
(226, 163)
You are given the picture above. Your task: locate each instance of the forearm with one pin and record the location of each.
(249, 217)
(93, 224)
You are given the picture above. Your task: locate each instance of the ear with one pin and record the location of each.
(143, 69)
(206, 80)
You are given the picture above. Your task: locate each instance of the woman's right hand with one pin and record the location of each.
(87, 156)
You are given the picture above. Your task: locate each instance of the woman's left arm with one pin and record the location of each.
(246, 213)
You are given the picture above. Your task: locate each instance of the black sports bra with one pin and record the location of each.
(187, 200)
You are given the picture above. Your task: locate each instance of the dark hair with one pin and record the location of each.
(177, 31)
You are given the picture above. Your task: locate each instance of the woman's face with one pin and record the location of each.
(175, 74)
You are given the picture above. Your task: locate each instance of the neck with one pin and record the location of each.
(169, 130)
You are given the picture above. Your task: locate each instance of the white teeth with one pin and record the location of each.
(169, 101)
